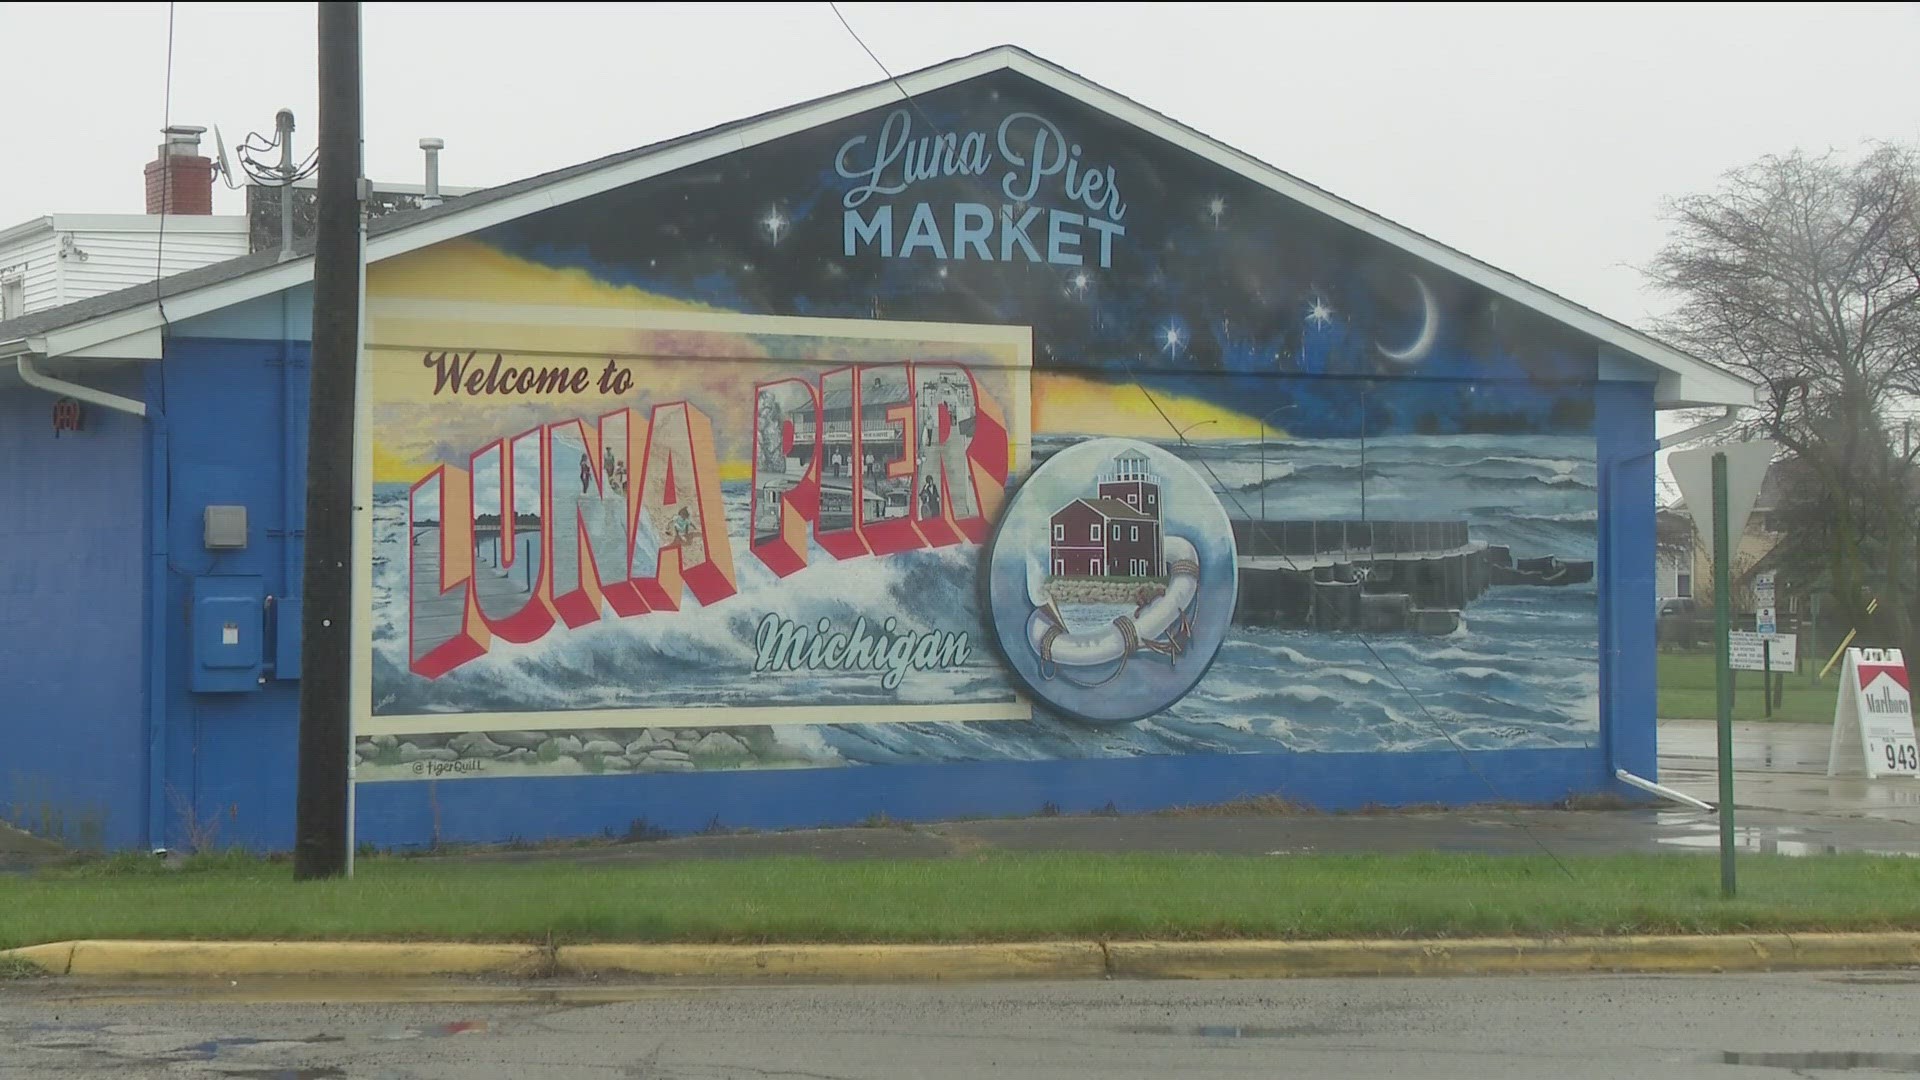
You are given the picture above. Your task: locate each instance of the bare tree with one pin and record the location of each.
(1803, 273)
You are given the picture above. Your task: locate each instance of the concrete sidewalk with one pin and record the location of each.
(1781, 768)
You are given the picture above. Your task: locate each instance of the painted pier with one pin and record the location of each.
(1377, 576)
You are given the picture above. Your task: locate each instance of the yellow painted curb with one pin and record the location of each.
(1508, 956)
(867, 963)
(52, 959)
(175, 959)
(932, 963)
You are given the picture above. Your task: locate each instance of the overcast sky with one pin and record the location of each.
(1540, 139)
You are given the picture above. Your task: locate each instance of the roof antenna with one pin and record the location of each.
(431, 196)
(282, 174)
(223, 165)
(283, 134)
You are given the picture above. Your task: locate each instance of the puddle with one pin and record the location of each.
(207, 1051)
(324, 1073)
(439, 1031)
(1819, 1059)
(1229, 1031)
(1767, 841)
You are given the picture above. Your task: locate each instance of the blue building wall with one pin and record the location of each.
(234, 755)
(72, 636)
(1625, 438)
(224, 771)
(235, 387)
(412, 813)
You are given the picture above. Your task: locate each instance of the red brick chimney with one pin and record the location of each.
(180, 181)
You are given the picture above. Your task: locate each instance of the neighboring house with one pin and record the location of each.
(1673, 566)
(1755, 542)
(56, 259)
(60, 258)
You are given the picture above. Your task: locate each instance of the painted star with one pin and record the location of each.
(1319, 314)
(775, 223)
(1171, 339)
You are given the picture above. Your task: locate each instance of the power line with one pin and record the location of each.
(884, 70)
(166, 176)
(1261, 524)
(1465, 758)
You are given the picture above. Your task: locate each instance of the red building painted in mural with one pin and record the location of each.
(1116, 534)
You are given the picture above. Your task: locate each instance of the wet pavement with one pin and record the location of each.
(1781, 768)
(1575, 1027)
(1760, 747)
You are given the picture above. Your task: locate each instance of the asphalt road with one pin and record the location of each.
(1475, 1029)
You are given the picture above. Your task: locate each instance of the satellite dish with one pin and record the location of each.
(225, 167)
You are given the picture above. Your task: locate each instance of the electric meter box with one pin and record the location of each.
(229, 623)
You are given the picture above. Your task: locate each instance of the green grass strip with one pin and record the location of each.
(998, 897)
(1686, 692)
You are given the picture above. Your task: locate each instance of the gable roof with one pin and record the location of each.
(1107, 508)
(133, 316)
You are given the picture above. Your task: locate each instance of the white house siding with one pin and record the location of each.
(35, 259)
(116, 259)
(66, 257)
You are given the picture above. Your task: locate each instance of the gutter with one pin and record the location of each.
(1698, 431)
(38, 379)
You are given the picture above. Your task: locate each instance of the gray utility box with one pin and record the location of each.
(226, 528)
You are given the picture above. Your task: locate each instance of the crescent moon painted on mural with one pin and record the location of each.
(1430, 323)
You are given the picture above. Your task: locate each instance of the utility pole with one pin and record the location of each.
(322, 843)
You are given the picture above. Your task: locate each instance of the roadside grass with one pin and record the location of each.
(994, 897)
(13, 967)
(1686, 692)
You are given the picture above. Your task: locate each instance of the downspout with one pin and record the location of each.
(159, 514)
(155, 603)
(40, 380)
(1607, 566)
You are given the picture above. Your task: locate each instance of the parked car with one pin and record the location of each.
(1678, 624)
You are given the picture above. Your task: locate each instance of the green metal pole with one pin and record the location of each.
(1766, 675)
(1723, 669)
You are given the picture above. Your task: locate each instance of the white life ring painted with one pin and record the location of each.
(1163, 625)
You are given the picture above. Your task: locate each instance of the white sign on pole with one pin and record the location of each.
(1763, 617)
(1743, 651)
(1747, 465)
(1873, 720)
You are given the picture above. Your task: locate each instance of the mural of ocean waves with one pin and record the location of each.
(1520, 672)
(1275, 690)
(703, 655)
(1533, 493)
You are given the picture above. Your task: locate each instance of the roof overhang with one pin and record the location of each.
(1682, 380)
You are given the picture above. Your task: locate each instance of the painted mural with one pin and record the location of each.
(1112, 580)
(987, 429)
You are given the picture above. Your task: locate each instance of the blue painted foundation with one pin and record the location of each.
(531, 809)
